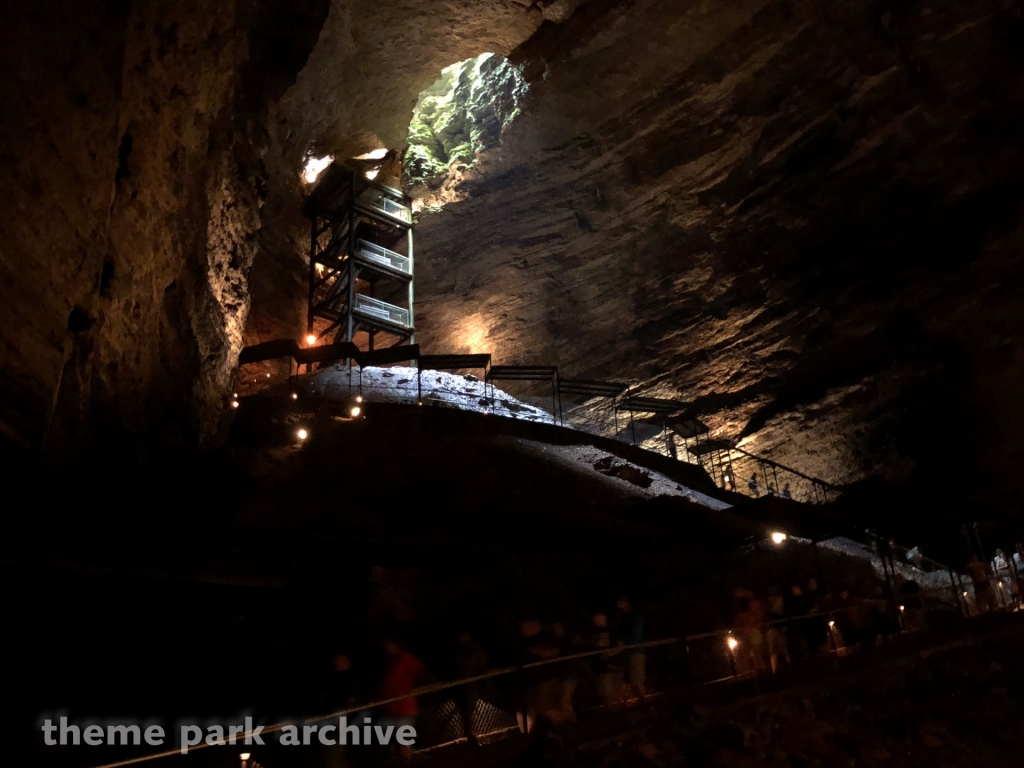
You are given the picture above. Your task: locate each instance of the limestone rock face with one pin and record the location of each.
(806, 220)
(132, 181)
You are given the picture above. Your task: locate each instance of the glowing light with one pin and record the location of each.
(310, 339)
(268, 375)
(377, 154)
(356, 410)
(831, 623)
(359, 398)
(302, 434)
(245, 756)
(778, 537)
(295, 395)
(473, 333)
(234, 403)
(235, 394)
(732, 642)
(965, 594)
(902, 608)
(371, 175)
(314, 167)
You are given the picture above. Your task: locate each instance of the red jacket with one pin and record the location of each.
(403, 674)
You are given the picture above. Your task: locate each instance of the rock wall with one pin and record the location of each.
(803, 218)
(132, 185)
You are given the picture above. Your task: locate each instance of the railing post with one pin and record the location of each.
(956, 593)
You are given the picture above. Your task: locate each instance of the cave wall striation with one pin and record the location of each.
(804, 219)
(132, 182)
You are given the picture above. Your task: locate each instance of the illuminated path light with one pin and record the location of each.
(302, 434)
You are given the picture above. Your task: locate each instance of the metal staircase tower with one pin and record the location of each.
(360, 258)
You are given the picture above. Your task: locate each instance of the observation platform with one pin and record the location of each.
(361, 262)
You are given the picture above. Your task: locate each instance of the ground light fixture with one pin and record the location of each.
(732, 642)
(310, 339)
(234, 403)
(359, 398)
(302, 434)
(245, 756)
(295, 395)
(356, 410)
(778, 537)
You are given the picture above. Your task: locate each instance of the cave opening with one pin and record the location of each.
(462, 114)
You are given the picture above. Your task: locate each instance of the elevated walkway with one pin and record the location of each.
(733, 470)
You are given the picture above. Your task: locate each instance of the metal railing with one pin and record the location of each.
(582, 680)
(381, 255)
(729, 467)
(381, 310)
(378, 201)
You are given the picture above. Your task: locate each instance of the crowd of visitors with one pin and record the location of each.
(773, 631)
(600, 654)
(602, 658)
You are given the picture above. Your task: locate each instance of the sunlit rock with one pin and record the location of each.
(459, 116)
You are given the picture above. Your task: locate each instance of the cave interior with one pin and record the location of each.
(802, 219)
